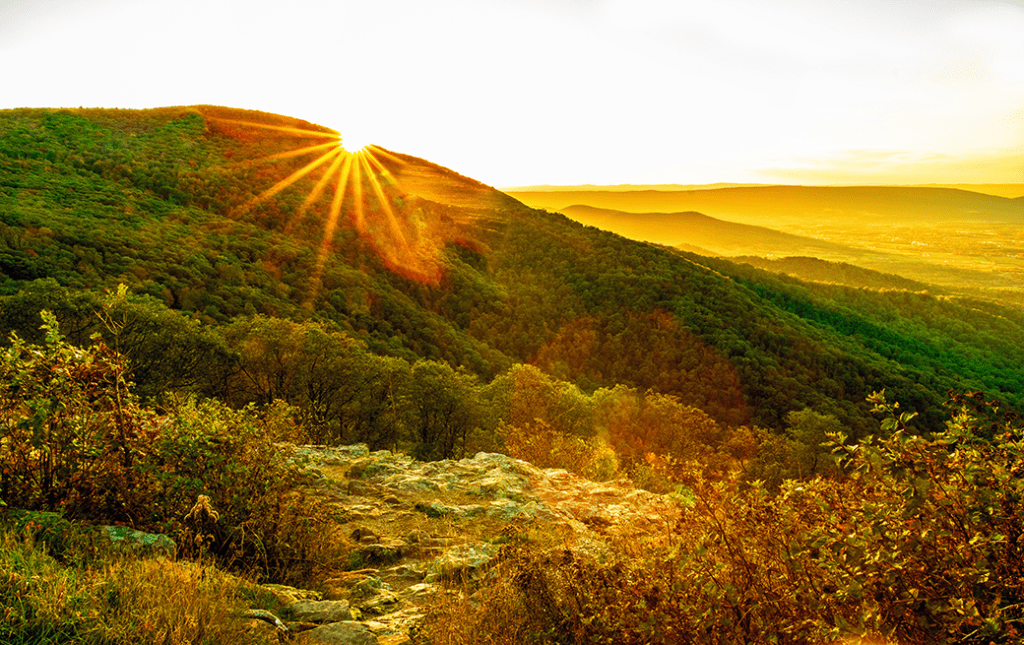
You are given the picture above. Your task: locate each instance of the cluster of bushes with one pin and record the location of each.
(78, 440)
(75, 440)
(911, 538)
(917, 540)
(343, 393)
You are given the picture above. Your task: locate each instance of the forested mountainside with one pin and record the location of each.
(425, 264)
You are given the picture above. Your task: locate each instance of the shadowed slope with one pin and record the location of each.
(697, 229)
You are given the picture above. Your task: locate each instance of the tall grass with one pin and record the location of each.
(114, 600)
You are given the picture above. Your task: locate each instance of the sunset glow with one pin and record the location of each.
(354, 144)
(613, 91)
(360, 183)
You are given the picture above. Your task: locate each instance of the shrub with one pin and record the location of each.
(72, 435)
(545, 447)
(74, 441)
(921, 541)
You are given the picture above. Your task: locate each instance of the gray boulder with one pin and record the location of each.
(285, 595)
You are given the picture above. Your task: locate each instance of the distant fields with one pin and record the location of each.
(959, 239)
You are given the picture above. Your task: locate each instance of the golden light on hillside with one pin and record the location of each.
(354, 178)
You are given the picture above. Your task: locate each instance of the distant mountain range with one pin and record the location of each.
(545, 188)
(784, 205)
(696, 229)
(999, 190)
(959, 239)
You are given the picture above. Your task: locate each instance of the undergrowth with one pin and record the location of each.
(115, 600)
(76, 442)
(919, 540)
(908, 539)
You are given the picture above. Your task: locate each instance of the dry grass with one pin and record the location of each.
(117, 601)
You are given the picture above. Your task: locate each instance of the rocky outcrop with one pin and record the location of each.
(417, 526)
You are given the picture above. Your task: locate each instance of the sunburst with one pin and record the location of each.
(351, 169)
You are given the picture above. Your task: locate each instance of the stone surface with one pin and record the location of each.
(396, 623)
(461, 562)
(407, 572)
(378, 604)
(420, 590)
(343, 633)
(421, 525)
(285, 595)
(369, 586)
(318, 611)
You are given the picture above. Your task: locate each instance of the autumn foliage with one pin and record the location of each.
(918, 541)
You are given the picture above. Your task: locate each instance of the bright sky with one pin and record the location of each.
(516, 92)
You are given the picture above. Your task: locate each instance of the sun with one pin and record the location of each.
(354, 180)
(355, 142)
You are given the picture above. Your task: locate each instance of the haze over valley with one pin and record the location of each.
(468, 322)
(959, 239)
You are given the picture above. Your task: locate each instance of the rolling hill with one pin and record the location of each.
(696, 229)
(786, 205)
(963, 240)
(421, 263)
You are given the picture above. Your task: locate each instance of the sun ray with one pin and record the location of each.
(396, 231)
(338, 157)
(292, 178)
(406, 239)
(331, 146)
(331, 134)
(377, 150)
(339, 196)
(335, 212)
(333, 215)
(324, 180)
(381, 168)
(298, 152)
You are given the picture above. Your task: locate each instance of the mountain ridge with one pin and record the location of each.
(169, 203)
(1011, 191)
(698, 229)
(749, 204)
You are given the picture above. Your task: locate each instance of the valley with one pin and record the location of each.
(325, 376)
(954, 238)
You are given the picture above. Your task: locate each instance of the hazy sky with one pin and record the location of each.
(516, 92)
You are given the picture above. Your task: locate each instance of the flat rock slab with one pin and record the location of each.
(346, 633)
(461, 561)
(318, 611)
